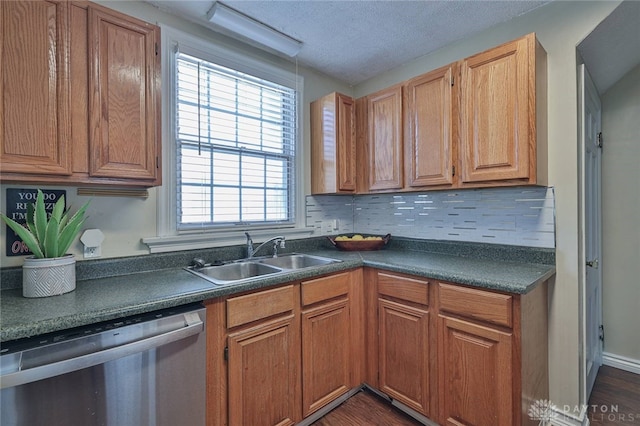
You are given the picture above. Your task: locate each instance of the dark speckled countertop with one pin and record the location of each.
(100, 296)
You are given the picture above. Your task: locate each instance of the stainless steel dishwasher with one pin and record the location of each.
(147, 369)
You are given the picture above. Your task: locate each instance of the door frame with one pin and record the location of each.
(587, 88)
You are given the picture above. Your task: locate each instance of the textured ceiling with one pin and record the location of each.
(356, 40)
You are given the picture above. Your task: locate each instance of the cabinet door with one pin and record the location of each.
(429, 133)
(34, 81)
(263, 369)
(333, 144)
(476, 382)
(384, 139)
(325, 354)
(404, 354)
(124, 96)
(496, 92)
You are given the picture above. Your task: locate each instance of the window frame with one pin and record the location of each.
(169, 237)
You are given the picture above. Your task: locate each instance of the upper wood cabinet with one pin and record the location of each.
(35, 126)
(503, 113)
(477, 122)
(81, 95)
(384, 139)
(429, 135)
(333, 144)
(124, 96)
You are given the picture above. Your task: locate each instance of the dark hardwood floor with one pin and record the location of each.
(366, 409)
(615, 399)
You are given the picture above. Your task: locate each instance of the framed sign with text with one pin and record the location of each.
(17, 201)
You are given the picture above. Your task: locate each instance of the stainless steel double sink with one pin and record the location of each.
(239, 271)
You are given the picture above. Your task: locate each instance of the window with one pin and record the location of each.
(235, 147)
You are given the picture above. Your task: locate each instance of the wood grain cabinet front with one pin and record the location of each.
(503, 114)
(455, 354)
(404, 340)
(477, 122)
(124, 97)
(330, 338)
(384, 140)
(492, 355)
(81, 97)
(35, 126)
(333, 144)
(263, 358)
(429, 137)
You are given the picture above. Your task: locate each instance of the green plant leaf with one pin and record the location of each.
(70, 230)
(68, 234)
(40, 220)
(58, 209)
(51, 239)
(27, 237)
(30, 223)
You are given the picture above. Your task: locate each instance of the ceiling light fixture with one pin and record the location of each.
(241, 24)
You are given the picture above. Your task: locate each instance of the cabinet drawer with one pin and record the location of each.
(255, 306)
(325, 288)
(409, 289)
(495, 308)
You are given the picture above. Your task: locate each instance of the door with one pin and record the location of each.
(384, 143)
(495, 99)
(429, 133)
(263, 374)
(34, 81)
(124, 96)
(476, 376)
(591, 185)
(326, 354)
(403, 332)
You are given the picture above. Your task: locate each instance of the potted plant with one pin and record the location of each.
(51, 270)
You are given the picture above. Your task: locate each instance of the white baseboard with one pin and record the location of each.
(628, 364)
(561, 418)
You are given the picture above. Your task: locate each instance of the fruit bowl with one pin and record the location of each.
(366, 243)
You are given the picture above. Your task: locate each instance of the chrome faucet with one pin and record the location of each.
(277, 241)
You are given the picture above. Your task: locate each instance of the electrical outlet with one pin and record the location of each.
(90, 252)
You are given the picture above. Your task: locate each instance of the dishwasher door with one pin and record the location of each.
(143, 370)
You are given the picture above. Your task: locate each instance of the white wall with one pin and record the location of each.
(560, 26)
(620, 216)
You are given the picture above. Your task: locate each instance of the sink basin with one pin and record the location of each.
(242, 270)
(234, 272)
(297, 261)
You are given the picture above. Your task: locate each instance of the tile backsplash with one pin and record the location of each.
(521, 216)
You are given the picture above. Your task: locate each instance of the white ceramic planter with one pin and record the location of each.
(48, 277)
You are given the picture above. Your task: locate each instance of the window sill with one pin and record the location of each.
(193, 241)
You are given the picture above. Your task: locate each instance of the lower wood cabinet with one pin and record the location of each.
(263, 358)
(275, 356)
(263, 367)
(492, 359)
(326, 331)
(404, 340)
(455, 354)
(476, 372)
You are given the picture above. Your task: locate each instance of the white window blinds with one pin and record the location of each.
(235, 147)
